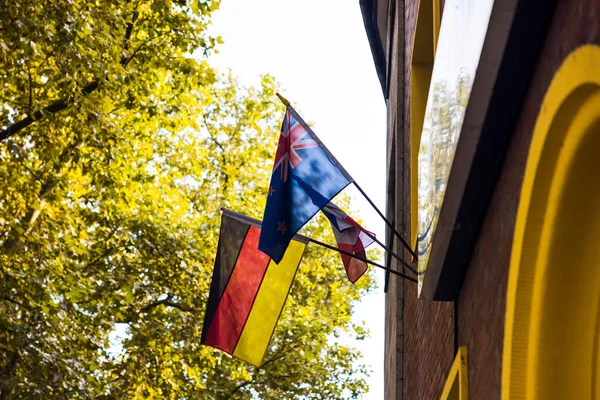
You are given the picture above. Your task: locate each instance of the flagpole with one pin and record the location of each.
(396, 256)
(330, 247)
(324, 148)
(302, 238)
(388, 223)
(283, 100)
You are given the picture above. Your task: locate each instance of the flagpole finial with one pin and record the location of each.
(283, 100)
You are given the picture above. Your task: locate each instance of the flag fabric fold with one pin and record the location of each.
(248, 290)
(350, 237)
(304, 179)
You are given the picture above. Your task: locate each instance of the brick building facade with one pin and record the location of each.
(531, 51)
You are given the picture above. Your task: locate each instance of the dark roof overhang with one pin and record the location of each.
(369, 13)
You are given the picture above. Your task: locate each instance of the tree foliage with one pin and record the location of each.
(117, 150)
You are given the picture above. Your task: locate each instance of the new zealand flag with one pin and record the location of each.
(305, 178)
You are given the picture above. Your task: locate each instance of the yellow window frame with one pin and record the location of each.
(456, 387)
(427, 30)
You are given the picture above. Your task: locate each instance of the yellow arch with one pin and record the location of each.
(551, 336)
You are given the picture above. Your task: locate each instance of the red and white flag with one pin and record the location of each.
(350, 237)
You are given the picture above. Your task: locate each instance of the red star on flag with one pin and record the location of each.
(271, 190)
(282, 227)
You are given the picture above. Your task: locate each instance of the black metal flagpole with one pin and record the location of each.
(396, 256)
(255, 222)
(392, 227)
(388, 223)
(350, 179)
(328, 246)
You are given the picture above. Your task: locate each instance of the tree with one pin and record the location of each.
(118, 147)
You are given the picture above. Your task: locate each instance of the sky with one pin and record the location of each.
(318, 51)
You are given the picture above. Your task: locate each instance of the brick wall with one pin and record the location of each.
(429, 326)
(483, 294)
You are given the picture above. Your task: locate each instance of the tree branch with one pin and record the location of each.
(35, 175)
(178, 306)
(278, 355)
(64, 160)
(110, 250)
(30, 88)
(11, 300)
(51, 109)
(146, 309)
(220, 146)
(166, 302)
(138, 49)
(263, 381)
(7, 372)
(60, 105)
(128, 32)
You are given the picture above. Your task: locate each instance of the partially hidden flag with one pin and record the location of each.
(350, 237)
(248, 290)
(305, 178)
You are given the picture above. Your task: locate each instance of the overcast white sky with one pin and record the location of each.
(318, 51)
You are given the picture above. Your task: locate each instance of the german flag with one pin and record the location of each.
(248, 290)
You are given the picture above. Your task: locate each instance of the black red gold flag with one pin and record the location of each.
(248, 290)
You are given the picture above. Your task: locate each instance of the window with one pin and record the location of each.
(421, 66)
(456, 387)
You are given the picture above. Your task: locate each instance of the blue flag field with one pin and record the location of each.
(305, 178)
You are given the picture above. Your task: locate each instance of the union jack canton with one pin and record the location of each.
(304, 179)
